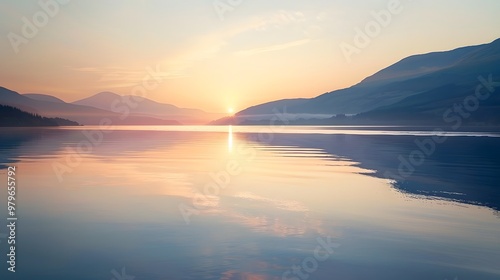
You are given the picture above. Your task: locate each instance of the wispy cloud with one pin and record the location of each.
(121, 77)
(178, 64)
(280, 19)
(273, 48)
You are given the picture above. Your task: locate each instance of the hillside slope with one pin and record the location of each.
(420, 86)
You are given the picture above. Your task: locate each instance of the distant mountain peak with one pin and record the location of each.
(106, 93)
(145, 107)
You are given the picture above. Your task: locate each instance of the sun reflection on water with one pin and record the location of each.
(230, 139)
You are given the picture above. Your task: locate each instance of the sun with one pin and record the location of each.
(230, 111)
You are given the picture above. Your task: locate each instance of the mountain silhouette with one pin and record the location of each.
(417, 88)
(146, 107)
(49, 106)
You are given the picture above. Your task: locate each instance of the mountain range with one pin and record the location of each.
(419, 89)
(426, 89)
(121, 110)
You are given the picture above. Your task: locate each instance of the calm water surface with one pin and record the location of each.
(252, 203)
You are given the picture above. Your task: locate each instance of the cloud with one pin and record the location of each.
(121, 77)
(178, 64)
(280, 19)
(272, 48)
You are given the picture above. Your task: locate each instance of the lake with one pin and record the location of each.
(231, 202)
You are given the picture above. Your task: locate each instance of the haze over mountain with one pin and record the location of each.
(49, 106)
(43, 97)
(122, 110)
(140, 106)
(417, 88)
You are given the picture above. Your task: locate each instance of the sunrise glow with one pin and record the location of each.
(200, 54)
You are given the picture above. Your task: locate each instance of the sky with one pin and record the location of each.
(218, 55)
